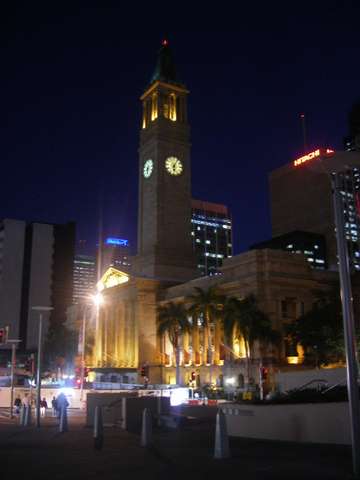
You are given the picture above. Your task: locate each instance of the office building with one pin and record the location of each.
(84, 277)
(301, 199)
(114, 252)
(352, 141)
(211, 231)
(311, 245)
(36, 269)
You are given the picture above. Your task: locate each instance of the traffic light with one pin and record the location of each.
(264, 373)
(144, 372)
(3, 335)
(193, 376)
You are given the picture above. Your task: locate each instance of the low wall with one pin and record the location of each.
(311, 422)
(295, 379)
(72, 395)
(125, 409)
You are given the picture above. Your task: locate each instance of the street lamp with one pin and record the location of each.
(14, 344)
(95, 300)
(41, 310)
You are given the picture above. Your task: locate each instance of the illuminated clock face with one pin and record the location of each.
(173, 166)
(148, 168)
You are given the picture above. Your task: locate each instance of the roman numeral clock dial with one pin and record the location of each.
(174, 166)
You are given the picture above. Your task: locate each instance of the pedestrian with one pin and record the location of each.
(62, 403)
(17, 404)
(43, 407)
(54, 406)
(26, 401)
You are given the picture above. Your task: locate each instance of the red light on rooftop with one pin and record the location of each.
(164, 42)
(302, 115)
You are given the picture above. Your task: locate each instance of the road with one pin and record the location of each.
(185, 453)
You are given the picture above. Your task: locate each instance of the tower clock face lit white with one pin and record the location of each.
(148, 168)
(173, 166)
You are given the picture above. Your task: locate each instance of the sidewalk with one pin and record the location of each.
(182, 454)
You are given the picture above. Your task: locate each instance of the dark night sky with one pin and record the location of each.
(70, 82)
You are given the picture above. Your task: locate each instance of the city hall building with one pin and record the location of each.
(165, 268)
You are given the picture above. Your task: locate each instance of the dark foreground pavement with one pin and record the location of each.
(185, 453)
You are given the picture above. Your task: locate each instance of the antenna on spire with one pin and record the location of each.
(302, 117)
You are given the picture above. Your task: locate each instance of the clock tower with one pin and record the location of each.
(164, 240)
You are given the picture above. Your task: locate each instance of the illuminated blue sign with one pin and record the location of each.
(117, 241)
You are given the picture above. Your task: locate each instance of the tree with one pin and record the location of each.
(206, 306)
(320, 330)
(173, 320)
(243, 318)
(61, 342)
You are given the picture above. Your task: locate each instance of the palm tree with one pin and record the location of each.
(173, 320)
(206, 306)
(244, 318)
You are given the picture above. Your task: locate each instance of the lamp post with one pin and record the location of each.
(14, 344)
(349, 326)
(41, 310)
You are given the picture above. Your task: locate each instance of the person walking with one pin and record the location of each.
(43, 407)
(62, 403)
(17, 404)
(26, 401)
(54, 407)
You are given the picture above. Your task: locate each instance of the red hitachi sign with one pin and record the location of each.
(316, 153)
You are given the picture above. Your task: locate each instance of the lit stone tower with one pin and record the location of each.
(164, 241)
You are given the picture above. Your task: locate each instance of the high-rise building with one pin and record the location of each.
(352, 141)
(301, 199)
(84, 277)
(311, 245)
(114, 252)
(36, 269)
(211, 231)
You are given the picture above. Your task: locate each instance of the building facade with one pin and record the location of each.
(84, 277)
(114, 252)
(36, 270)
(311, 245)
(301, 199)
(352, 141)
(211, 231)
(126, 327)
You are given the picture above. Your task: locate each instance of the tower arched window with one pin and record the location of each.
(154, 106)
(172, 105)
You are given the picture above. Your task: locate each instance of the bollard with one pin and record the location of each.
(146, 428)
(221, 437)
(98, 429)
(22, 415)
(63, 427)
(27, 416)
(158, 407)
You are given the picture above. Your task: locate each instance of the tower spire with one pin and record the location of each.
(165, 70)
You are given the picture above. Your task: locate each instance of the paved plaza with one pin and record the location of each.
(183, 453)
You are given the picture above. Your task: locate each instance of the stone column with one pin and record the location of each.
(217, 339)
(195, 343)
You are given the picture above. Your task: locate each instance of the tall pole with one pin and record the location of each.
(13, 361)
(83, 353)
(349, 327)
(302, 116)
(38, 375)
